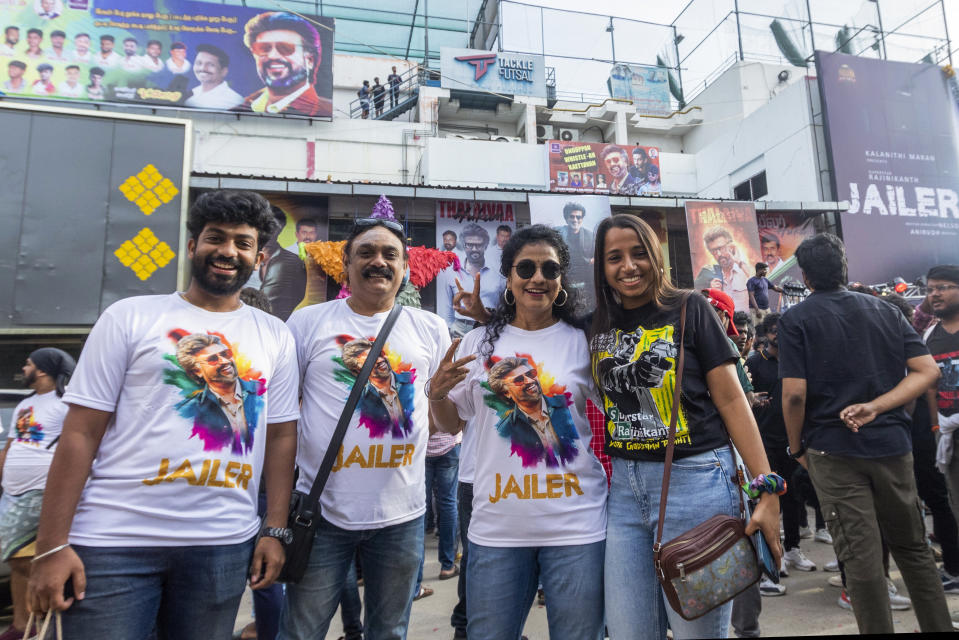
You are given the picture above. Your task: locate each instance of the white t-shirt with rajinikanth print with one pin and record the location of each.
(192, 392)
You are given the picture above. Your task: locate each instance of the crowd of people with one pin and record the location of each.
(141, 498)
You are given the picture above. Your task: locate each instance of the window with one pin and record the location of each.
(752, 189)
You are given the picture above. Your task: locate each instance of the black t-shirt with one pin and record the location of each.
(850, 348)
(944, 347)
(765, 372)
(635, 367)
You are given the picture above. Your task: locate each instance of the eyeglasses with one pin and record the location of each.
(282, 48)
(940, 288)
(372, 222)
(224, 354)
(722, 247)
(475, 245)
(523, 377)
(525, 269)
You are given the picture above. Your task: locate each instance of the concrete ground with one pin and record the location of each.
(809, 607)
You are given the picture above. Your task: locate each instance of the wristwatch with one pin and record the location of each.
(798, 454)
(284, 535)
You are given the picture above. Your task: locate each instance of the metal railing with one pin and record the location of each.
(395, 99)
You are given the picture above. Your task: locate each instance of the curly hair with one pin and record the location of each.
(504, 313)
(232, 207)
(498, 372)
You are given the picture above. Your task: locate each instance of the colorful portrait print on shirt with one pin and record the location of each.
(222, 393)
(28, 429)
(386, 404)
(533, 411)
(636, 370)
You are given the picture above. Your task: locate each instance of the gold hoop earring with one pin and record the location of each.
(565, 298)
(509, 303)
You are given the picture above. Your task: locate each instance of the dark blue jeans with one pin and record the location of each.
(185, 593)
(351, 607)
(464, 501)
(390, 558)
(441, 472)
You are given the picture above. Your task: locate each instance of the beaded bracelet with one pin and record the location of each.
(765, 483)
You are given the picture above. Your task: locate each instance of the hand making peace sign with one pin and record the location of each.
(450, 372)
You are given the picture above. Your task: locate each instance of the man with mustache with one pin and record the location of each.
(729, 273)
(210, 66)
(287, 53)
(617, 165)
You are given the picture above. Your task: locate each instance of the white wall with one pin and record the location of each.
(474, 163)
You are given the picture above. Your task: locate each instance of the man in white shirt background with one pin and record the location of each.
(177, 62)
(210, 66)
(71, 87)
(11, 36)
(81, 48)
(107, 57)
(305, 232)
(131, 61)
(56, 52)
(151, 61)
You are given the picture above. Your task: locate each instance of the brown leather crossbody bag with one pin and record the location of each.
(713, 562)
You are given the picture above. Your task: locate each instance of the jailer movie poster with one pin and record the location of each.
(891, 129)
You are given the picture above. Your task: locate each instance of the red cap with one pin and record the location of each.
(722, 301)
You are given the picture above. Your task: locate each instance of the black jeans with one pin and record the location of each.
(464, 506)
(931, 486)
(791, 504)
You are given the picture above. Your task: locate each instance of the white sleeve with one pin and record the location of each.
(99, 375)
(442, 336)
(461, 395)
(284, 398)
(302, 343)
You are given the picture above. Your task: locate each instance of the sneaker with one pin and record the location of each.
(783, 572)
(950, 583)
(844, 602)
(832, 566)
(835, 581)
(796, 559)
(896, 601)
(822, 535)
(805, 533)
(769, 588)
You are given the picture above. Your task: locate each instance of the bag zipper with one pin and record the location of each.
(681, 565)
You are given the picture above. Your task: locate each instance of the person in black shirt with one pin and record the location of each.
(394, 81)
(634, 335)
(842, 358)
(379, 97)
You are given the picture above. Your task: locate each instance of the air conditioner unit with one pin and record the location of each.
(460, 136)
(505, 139)
(544, 132)
(569, 135)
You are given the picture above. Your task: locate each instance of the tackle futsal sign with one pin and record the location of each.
(479, 70)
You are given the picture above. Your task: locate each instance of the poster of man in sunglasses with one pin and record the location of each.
(539, 426)
(386, 404)
(225, 407)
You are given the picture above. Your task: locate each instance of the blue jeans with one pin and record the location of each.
(351, 607)
(700, 487)
(390, 558)
(185, 593)
(502, 583)
(441, 472)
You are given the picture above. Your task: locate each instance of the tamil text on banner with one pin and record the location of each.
(593, 167)
(477, 233)
(892, 137)
(576, 218)
(647, 87)
(723, 246)
(173, 53)
(780, 232)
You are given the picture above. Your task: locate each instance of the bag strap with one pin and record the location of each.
(673, 416)
(323, 474)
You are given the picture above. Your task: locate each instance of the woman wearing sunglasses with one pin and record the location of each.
(539, 507)
(633, 344)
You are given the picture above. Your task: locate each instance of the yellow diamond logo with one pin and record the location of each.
(148, 189)
(144, 253)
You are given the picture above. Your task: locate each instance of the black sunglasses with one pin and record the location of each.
(525, 269)
(372, 222)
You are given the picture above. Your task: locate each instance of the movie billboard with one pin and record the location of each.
(576, 218)
(647, 87)
(723, 246)
(656, 220)
(176, 53)
(892, 138)
(477, 233)
(608, 169)
(780, 232)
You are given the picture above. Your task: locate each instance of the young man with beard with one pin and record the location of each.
(147, 522)
(374, 500)
(849, 364)
(11, 36)
(942, 339)
(287, 53)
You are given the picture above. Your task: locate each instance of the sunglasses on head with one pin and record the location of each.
(264, 48)
(224, 354)
(550, 269)
(372, 222)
